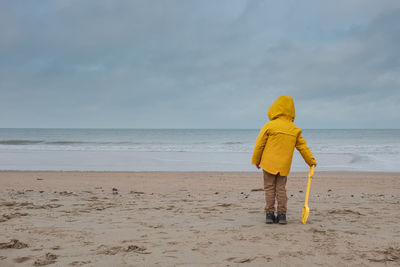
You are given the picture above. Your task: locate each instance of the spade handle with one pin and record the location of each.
(310, 175)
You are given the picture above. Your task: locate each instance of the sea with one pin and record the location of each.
(374, 150)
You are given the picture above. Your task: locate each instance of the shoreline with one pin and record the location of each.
(248, 172)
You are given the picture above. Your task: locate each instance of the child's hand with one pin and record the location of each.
(258, 166)
(311, 171)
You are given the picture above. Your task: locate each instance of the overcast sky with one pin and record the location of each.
(198, 64)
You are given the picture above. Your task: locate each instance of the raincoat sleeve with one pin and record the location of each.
(260, 144)
(305, 151)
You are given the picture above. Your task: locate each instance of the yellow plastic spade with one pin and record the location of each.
(306, 209)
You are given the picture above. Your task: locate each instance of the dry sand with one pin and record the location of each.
(195, 219)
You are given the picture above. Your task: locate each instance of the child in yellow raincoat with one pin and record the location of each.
(273, 152)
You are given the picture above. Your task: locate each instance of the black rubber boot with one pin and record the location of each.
(270, 217)
(281, 218)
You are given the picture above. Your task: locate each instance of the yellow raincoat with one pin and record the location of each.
(276, 141)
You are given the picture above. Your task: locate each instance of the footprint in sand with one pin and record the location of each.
(66, 193)
(316, 231)
(6, 217)
(225, 205)
(22, 259)
(170, 251)
(46, 259)
(247, 225)
(389, 254)
(79, 263)
(118, 249)
(241, 260)
(14, 243)
(345, 212)
(8, 203)
(30, 205)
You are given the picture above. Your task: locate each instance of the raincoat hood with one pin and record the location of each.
(283, 107)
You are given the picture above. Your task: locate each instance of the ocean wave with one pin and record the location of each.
(232, 143)
(20, 142)
(366, 149)
(62, 143)
(65, 142)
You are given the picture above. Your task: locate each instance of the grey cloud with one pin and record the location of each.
(198, 63)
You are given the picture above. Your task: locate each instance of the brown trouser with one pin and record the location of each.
(275, 185)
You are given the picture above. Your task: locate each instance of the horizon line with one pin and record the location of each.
(121, 128)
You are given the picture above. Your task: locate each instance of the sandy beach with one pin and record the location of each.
(195, 219)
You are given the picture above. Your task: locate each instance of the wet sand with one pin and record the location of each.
(195, 219)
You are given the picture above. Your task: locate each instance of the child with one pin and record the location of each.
(273, 152)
